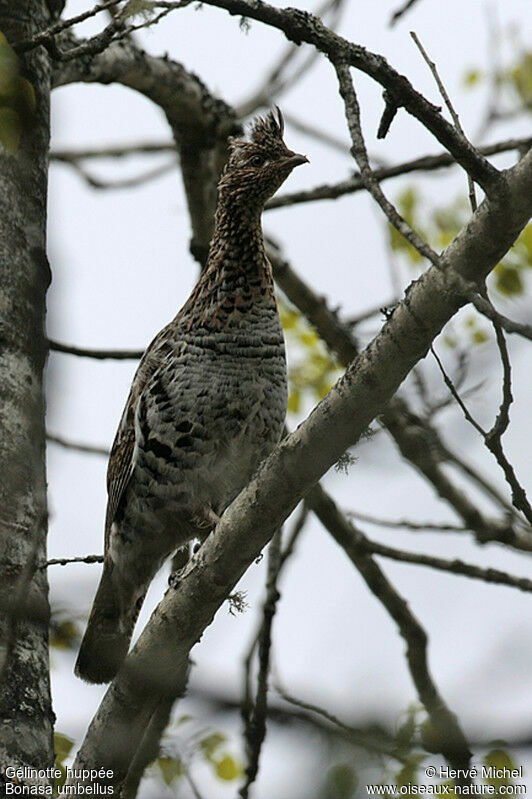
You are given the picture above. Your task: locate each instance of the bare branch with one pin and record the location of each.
(67, 561)
(454, 115)
(451, 740)
(113, 151)
(66, 444)
(407, 524)
(455, 566)
(120, 183)
(352, 113)
(418, 442)
(255, 727)
(84, 352)
(401, 11)
(354, 184)
(492, 439)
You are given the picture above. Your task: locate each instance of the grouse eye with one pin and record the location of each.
(257, 160)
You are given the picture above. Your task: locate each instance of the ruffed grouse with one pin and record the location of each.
(207, 403)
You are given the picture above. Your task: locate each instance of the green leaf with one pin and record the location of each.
(64, 635)
(227, 768)
(479, 336)
(342, 779)
(171, 769)
(508, 280)
(62, 746)
(472, 77)
(210, 744)
(499, 759)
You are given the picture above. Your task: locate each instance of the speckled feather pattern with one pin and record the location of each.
(208, 401)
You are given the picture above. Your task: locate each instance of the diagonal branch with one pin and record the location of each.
(352, 113)
(418, 442)
(448, 103)
(158, 664)
(451, 740)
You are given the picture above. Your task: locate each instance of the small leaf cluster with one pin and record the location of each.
(210, 747)
(515, 79)
(64, 631)
(439, 227)
(312, 369)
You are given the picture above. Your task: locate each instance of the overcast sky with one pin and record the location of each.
(122, 269)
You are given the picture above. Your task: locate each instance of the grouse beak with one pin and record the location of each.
(296, 160)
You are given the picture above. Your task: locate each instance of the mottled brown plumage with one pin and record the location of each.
(206, 405)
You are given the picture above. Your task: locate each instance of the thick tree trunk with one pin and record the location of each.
(26, 718)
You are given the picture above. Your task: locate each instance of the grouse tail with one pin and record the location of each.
(109, 630)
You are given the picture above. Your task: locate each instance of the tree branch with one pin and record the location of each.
(255, 727)
(200, 123)
(355, 183)
(451, 741)
(84, 352)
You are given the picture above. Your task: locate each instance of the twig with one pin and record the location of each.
(492, 439)
(354, 184)
(451, 740)
(455, 566)
(454, 115)
(75, 445)
(45, 36)
(352, 113)
(293, 537)
(115, 30)
(121, 183)
(353, 321)
(401, 11)
(367, 739)
(255, 728)
(277, 82)
(113, 151)
(407, 523)
(85, 352)
(66, 561)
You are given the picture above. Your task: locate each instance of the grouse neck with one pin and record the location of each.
(237, 243)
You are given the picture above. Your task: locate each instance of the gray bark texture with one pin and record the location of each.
(26, 717)
(157, 666)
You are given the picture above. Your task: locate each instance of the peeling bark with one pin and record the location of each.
(26, 717)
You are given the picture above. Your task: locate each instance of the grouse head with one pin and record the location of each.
(258, 166)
